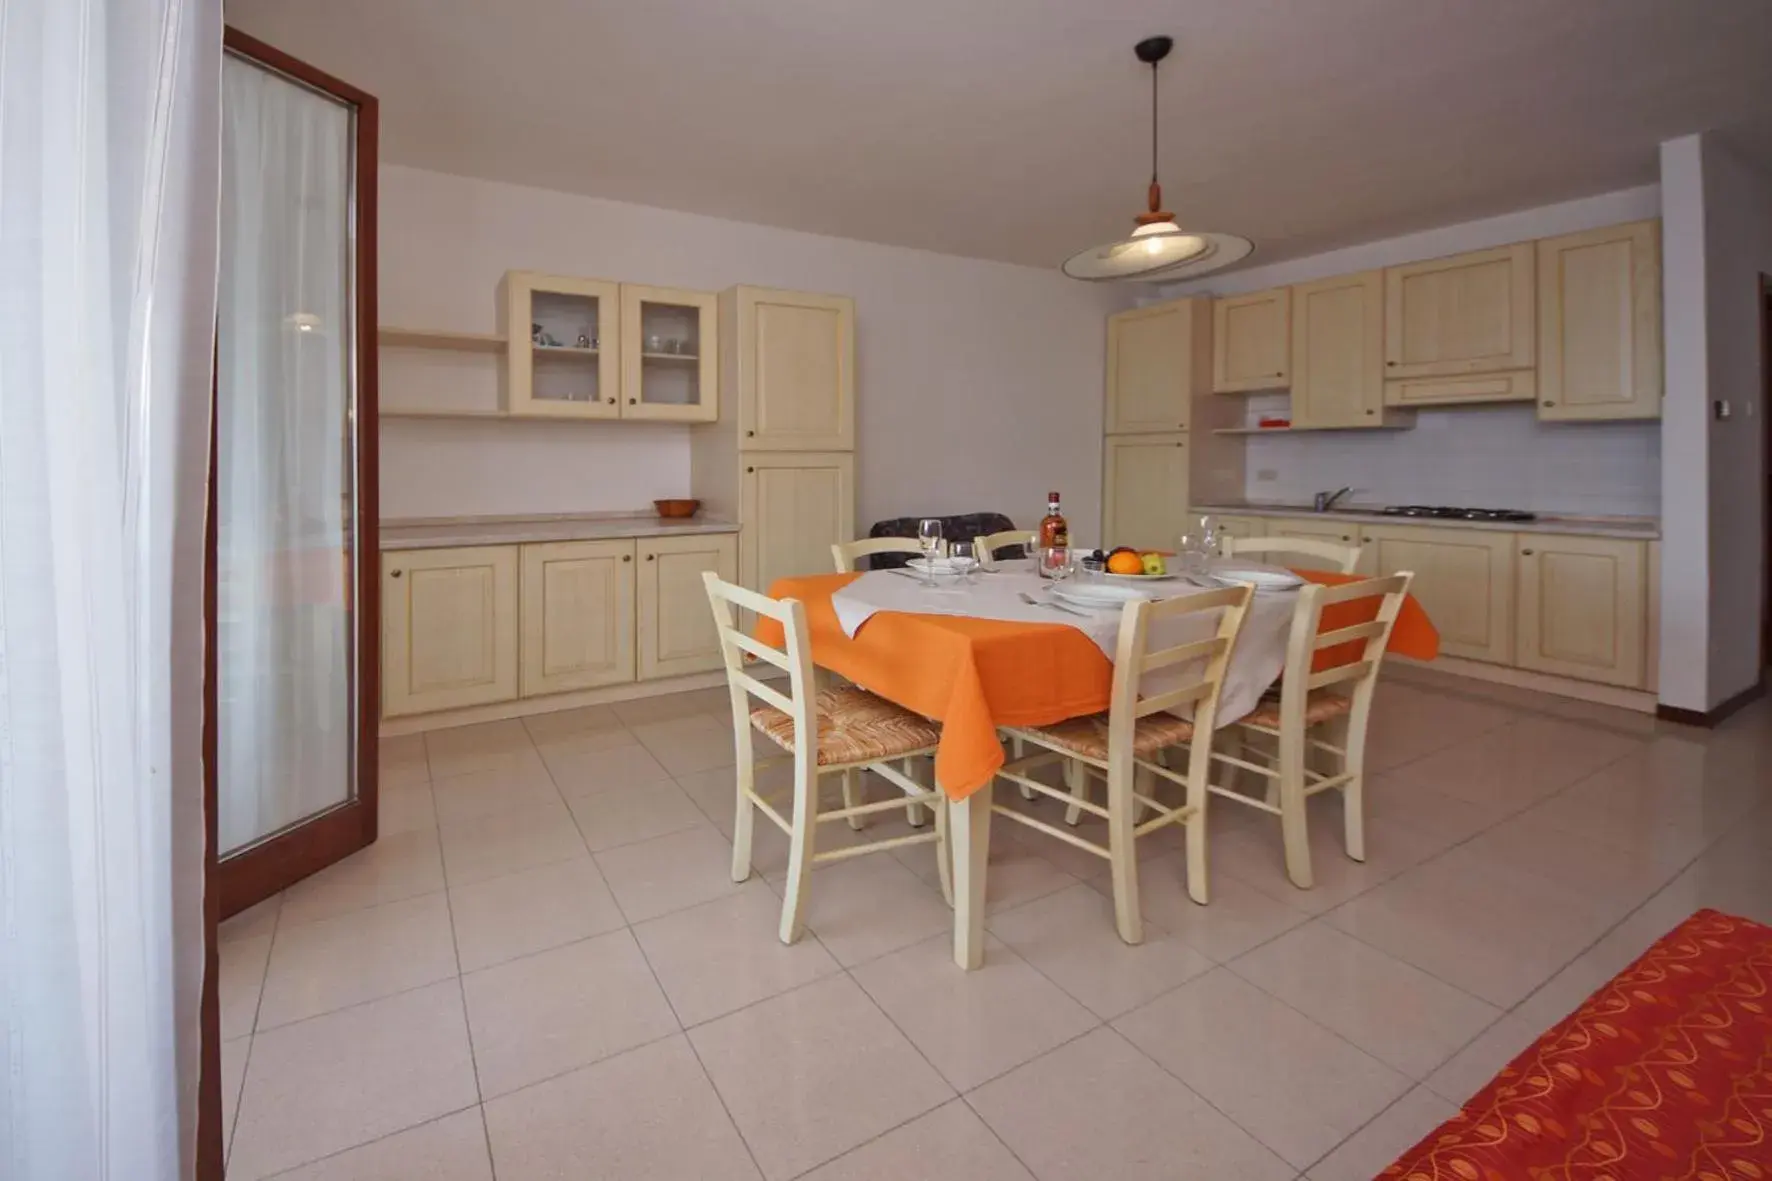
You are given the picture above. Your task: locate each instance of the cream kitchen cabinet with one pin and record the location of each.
(449, 628)
(1145, 491)
(676, 627)
(578, 615)
(1464, 579)
(1337, 352)
(1158, 359)
(568, 379)
(794, 507)
(1236, 526)
(1582, 608)
(1452, 317)
(670, 354)
(1599, 324)
(1252, 341)
(1325, 528)
(791, 358)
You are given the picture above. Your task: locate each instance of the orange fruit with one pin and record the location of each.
(1125, 563)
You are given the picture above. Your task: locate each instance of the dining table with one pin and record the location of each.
(976, 655)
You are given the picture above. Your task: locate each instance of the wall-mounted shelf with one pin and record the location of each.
(570, 350)
(685, 357)
(423, 338)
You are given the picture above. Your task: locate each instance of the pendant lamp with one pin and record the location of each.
(1158, 249)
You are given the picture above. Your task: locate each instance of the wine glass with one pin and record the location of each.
(1194, 549)
(964, 557)
(929, 537)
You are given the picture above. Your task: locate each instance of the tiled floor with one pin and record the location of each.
(542, 970)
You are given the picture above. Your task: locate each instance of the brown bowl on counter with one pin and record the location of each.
(676, 509)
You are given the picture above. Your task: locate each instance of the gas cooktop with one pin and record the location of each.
(1440, 512)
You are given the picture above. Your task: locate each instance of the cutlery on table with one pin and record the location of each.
(1033, 602)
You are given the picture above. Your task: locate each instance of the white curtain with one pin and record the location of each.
(283, 455)
(109, 131)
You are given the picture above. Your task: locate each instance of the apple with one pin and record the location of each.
(1153, 563)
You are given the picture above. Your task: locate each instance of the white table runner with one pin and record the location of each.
(1255, 663)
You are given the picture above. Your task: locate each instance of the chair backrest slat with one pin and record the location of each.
(1182, 653)
(1343, 558)
(846, 553)
(758, 649)
(764, 692)
(1369, 638)
(1347, 635)
(794, 656)
(1159, 702)
(990, 543)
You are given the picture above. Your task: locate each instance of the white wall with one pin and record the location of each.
(1499, 457)
(978, 384)
(1737, 251)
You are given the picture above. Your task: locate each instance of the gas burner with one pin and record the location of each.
(1440, 512)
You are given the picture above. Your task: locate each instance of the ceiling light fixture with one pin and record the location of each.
(1158, 249)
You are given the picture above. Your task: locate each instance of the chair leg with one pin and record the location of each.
(1017, 749)
(741, 823)
(944, 862)
(1294, 822)
(1122, 856)
(852, 798)
(801, 844)
(1076, 779)
(1353, 793)
(1199, 797)
(913, 811)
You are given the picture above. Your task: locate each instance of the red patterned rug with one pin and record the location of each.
(1666, 1072)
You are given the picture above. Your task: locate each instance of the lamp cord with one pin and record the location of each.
(1153, 122)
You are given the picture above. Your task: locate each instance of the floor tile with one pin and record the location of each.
(656, 1119)
(233, 1073)
(1397, 1013)
(1497, 931)
(318, 1087)
(509, 842)
(404, 807)
(449, 1149)
(321, 966)
(531, 910)
(398, 866)
(1097, 1108)
(1407, 798)
(699, 742)
(1257, 856)
(949, 1144)
(972, 1026)
(661, 708)
(813, 1073)
(1470, 1070)
(1613, 881)
(239, 982)
(485, 746)
(1237, 917)
(1294, 1085)
(1070, 938)
(867, 906)
(568, 723)
(1399, 1128)
(586, 772)
(725, 954)
(557, 1010)
(1018, 872)
(401, 760)
(624, 815)
(260, 919)
(522, 782)
(656, 877)
(1516, 766)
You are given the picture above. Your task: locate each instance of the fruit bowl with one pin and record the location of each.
(677, 509)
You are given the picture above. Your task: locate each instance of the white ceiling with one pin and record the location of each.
(1018, 129)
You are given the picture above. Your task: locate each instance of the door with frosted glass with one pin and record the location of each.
(295, 612)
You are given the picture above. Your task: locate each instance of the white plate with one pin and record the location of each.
(1098, 594)
(935, 566)
(1261, 579)
(1134, 578)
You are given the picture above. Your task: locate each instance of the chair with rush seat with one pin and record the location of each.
(1335, 700)
(837, 731)
(1124, 743)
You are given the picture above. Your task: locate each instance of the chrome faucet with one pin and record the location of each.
(1324, 501)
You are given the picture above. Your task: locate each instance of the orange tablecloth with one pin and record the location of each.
(974, 675)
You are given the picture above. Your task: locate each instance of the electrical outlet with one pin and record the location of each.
(1266, 475)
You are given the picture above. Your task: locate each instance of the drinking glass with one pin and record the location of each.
(1054, 562)
(964, 556)
(1194, 550)
(929, 537)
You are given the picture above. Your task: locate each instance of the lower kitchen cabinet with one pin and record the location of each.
(1144, 491)
(795, 505)
(1231, 526)
(1583, 608)
(676, 626)
(1464, 580)
(578, 615)
(449, 628)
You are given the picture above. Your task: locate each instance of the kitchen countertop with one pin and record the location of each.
(441, 532)
(1636, 528)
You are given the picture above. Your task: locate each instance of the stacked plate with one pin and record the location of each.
(1262, 578)
(1097, 595)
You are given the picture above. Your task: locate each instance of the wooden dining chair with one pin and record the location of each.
(1125, 743)
(846, 553)
(841, 730)
(990, 544)
(1323, 711)
(1342, 558)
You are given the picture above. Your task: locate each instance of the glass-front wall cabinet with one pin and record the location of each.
(587, 348)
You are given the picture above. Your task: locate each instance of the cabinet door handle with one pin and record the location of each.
(394, 574)
(750, 434)
(648, 557)
(1525, 553)
(1548, 402)
(627, 557)
(1371, 412)
(612, 401)
(633, 401)
(749, 470)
